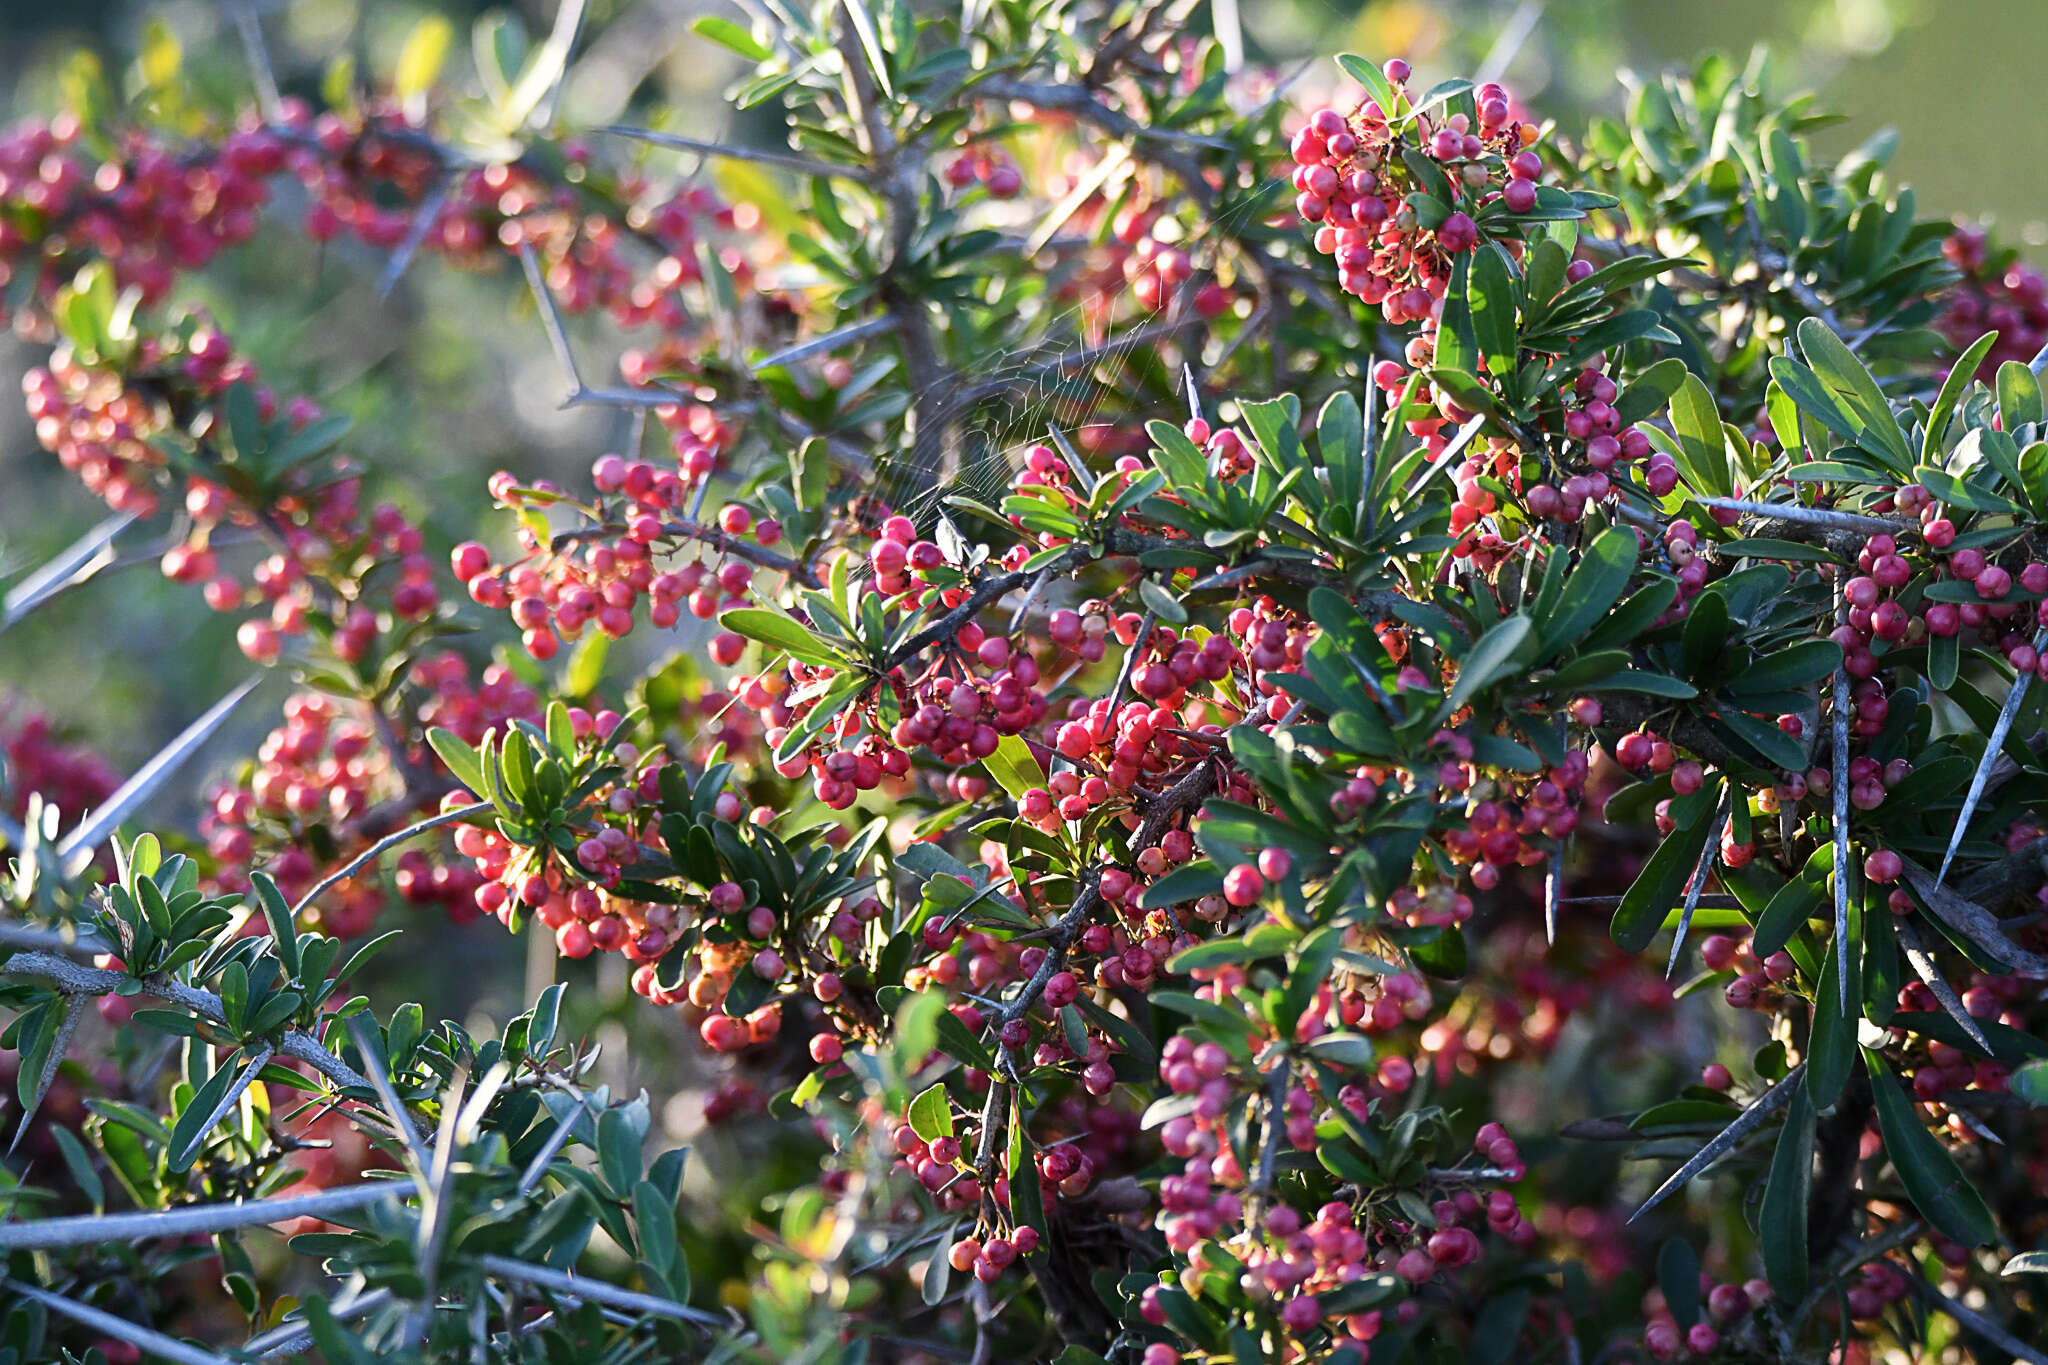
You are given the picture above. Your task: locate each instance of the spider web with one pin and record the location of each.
(1048, 383)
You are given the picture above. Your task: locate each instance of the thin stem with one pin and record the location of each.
(1811, 516)
(384, 845)
(803, 165)
(709, 535)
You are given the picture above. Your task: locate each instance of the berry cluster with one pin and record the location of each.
(69, 777)
(1353, 179)
(1998, 292)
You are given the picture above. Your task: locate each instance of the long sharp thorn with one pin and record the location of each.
(1944, 994)
(423, 219)
(1553, 887)
(257, 1061)
(77, 847)
(1194, 394)
(1699, 883)
(76, 561)
(88, 1229)
(1745, 1123)
(1993, 745)
(1840, 780)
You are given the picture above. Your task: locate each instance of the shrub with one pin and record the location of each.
(1512, 663)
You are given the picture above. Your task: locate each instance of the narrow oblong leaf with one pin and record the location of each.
(777, 631)
(1595, 585)
(1932, 1179)
(1788, 1192)
(1640, 914)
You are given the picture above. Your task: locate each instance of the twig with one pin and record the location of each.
(710, 535)
(1698, 883)
(73, 979)
(1974, 1321)
(250, 26)
(1944, 994)
(423, 219)
(558, 341)
(931, 384)
(830, 341)
(1840, 783)
(384, 845)
(74, 564)
(67, 1029)
(92, 1229)
(294, 1335)
(595, 1291)
(1269, 1146)
(149, 1340)
(401, 1117)
(803, 165)
(1812, 516)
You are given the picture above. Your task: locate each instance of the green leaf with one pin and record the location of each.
(1788, 1193)
(1932, 1179)
(313, 439)
(621, 1131)
(1189, 882)
(730, 35)
(2019, 396)
(1664, 876)
(1014, 767)
(1960, 376)
(1491, 295)
(421, 59)
(1791, 668)
(1796, 902)
(654, 1223)
(463, 763)
(1162, 603)
(1702, 443)
(284, 929)
(1678, 1275)
(1813, 398)
(1595, 585)
(1377, 87)
(1837, 367)
(1770, 743)
(1491, 658)
(777, 631)
(931, 1114)
(1704, 640)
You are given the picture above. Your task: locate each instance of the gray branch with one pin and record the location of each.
(93, 1229)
